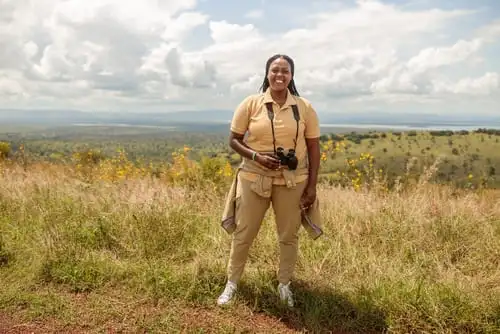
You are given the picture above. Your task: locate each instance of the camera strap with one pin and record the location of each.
(296, 115)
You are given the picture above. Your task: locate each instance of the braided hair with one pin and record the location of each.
(291, 85)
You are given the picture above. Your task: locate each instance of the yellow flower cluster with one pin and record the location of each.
(121, 168)
(359, 171)
(330, 148)
(93, 166)
(227, 171)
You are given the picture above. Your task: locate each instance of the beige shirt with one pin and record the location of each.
(251, 117)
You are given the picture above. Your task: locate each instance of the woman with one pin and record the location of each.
(276, 120)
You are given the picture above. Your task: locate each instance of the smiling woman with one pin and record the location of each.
(280, 166)
(279, 74)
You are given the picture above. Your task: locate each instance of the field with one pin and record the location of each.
(464, 158)
(107, 241)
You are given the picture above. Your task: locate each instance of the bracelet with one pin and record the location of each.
(254, 154)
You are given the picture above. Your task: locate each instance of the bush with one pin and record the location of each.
(5, 150)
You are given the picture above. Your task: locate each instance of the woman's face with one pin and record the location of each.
(279, 74)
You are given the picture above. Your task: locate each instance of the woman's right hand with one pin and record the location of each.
(267, 161)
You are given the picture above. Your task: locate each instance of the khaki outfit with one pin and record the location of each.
(255, 187)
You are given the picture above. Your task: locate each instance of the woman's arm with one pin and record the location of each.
(313, 152)
(309, 195)
(237, 144)
(312, 134)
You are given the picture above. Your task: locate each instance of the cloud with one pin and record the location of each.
(255, 14)
(436, 57)
(490, 32)
(189, 73)
(167, 54)
(482, 86)
(183, 25)
(9, 88)
(94, 47)
(416, 74)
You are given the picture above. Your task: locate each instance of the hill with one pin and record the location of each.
(186, 118)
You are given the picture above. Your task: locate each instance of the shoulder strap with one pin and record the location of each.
(270, 114)
(296, 115)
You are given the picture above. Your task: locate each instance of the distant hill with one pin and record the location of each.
(207, 117)
(63, 117)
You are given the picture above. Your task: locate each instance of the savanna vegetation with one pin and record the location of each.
(99, 235)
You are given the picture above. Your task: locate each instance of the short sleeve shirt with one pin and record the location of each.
(251, 117)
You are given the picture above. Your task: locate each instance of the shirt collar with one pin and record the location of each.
(290, 98)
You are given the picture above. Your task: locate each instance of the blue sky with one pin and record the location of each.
(167, 55)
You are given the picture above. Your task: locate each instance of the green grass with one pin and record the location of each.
(145, 256)
(459, 155)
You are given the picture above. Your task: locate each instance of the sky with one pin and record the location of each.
(439, 56)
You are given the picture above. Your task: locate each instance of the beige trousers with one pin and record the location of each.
(250, 211)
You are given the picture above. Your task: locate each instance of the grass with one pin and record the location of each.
(142, 255)
(465, 158)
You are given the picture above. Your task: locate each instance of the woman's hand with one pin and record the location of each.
(267, 161)
(308, 197)
(237, 144)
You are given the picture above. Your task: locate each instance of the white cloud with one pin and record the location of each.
(180, 27)
(10, 88)
(415, 75)
(255, 14)
(437, 57)
(223, 32)
(485, 85)
(190, 72)
(112, 54)
(490, 32)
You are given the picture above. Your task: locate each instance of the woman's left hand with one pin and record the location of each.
(308, 197)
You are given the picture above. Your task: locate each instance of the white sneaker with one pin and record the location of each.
(285, 293)
(227, 294)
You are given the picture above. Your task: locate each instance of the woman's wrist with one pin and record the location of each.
(312, 181)
(311, 185)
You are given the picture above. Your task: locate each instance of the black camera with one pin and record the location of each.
(288, 159)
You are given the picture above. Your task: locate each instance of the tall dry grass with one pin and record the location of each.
(419, 260)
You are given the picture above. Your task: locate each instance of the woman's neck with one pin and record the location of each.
(279, 97)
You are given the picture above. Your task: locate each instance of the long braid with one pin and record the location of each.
(291, 85)
(292, 88)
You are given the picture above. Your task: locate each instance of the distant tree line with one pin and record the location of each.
(495, 132)
(356, 137)
(353, 136)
